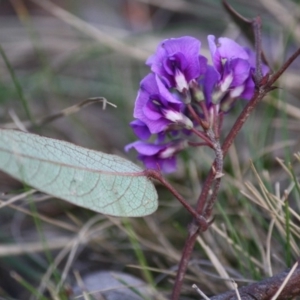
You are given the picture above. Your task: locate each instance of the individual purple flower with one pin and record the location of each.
(156, 107)
(158, 156)
(178, 62)
(232, 63)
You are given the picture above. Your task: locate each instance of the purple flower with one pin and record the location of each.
(157, 108)
(158, 156)
(178, 62)
(232, 63)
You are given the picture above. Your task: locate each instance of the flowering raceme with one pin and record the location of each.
(184, 97)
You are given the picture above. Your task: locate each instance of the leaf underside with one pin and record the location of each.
(101, 182)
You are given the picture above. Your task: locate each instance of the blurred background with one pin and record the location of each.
(55, 54)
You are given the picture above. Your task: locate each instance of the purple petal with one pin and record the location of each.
(168, 165)
(249, 89)
(209, 82)
(178, 59)
(216, 58)
(150, 162)
(147, 87)
(165, 165)
(164, 92)
(151, 112)
(157, 126)
(252, 61)
(129, 146)
(140, 129)
(230, 49)
(145, 148)
(241, 71)
(160, 137)
(203, 64)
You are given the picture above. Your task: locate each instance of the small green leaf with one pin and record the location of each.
(101, 182)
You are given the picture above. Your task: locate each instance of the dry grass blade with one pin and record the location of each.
(285, 282)
(283, 106)
(83, 234)
(16, 198)
(229, 241)
(274, 147)
(35, 247)
(194, 286)
(176, 6)
(81, 285)
(274, 206)
(256, 196)
(57, 223)
(69, 250)
(215, 262)
(18, 123)
(236, 290)
(171, 251)
(74, 109)
(284, 16)
(285, 168)
(92, 31)
(63, 113)
(236, 167)
(269, 246)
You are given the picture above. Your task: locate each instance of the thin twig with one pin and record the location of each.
(158, 176)
(92, 31)
(194, 286)
(283, 285)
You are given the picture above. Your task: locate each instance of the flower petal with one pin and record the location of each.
(145, 148)
(140, 129)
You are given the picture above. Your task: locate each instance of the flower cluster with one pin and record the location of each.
(184, 93)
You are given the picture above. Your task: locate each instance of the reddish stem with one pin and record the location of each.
(158, 176)
(195, 116)
(205, 112)
(221, 118)
(202, 136)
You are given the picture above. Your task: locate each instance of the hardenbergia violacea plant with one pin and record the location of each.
(182, 103)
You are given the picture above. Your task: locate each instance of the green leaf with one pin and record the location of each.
(101, 182)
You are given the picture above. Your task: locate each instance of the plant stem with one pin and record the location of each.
(158, 176)
(195, 228)
(184, 261)
(202, 136)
